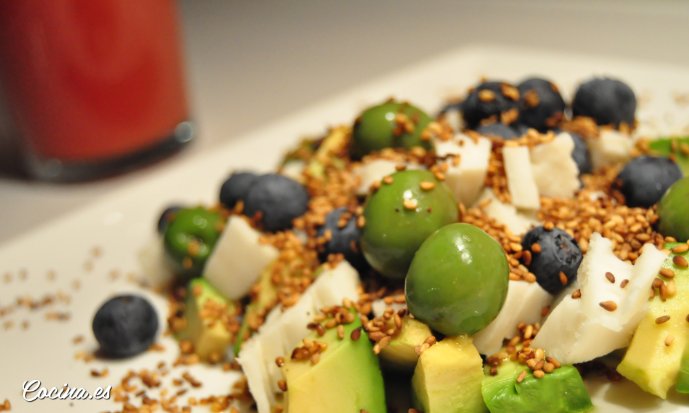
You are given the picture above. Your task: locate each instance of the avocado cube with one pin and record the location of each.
(208, 314)
(653, 360)
(347, 378)
(448, 376)
(561, 391)
(400, 354)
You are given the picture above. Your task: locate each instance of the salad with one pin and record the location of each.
(489, 258)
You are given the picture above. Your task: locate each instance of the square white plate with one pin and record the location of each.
(119, 225)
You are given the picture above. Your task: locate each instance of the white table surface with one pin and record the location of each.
(255, 61)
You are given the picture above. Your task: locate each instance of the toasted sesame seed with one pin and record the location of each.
(521, 376)
(610, 277)
(282, 385)
(679, 249)
(662, 319)
(608, 305)
(410, 204)
(536, 248)
(280, 361)
(563, 278)
(486, 95)
(388, 180)
(680, 261)
(427, 185)
(669, 339)
(576, 294)
(667, 272)
(539, 374)
(356, 334)
(624, 283)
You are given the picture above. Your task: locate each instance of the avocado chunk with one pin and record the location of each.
(650, 361)
(448, 377)
(682, 385)
(208, 316)
(561, 391)
(671, 146)
(347, 377)
(400, 354)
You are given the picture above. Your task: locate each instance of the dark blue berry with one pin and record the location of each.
(236, 187)
(497, 130)
(608, 101)
(166, 216)
(644, 180)
(581, 154)
(540, 104)
(556, 252)
(490, 101)
(343, 239)
(278, 199)
(125, 326)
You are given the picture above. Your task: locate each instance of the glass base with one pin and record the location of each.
(56, 170)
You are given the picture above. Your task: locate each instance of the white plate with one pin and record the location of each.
(121, 224)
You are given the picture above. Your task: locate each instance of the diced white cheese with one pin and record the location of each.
(294, 320)
(252, 361)
(372, 171)
(155, 264)
(293, 169)
(610, 148)
(238, 259)
(334, 285)
(270, 337)
(524, 303)
(554, 170)
(578, 330)
(379, 306)
(517, 222)
(466, 180)
(520, 177)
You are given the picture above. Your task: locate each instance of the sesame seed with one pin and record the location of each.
(427, 185)
(576, 294)
(669, 339)
(610, 277)
(608, 305)
(662, 319)
(486, 95)
(388, 180)
(410, 204)
(563, 278)
(536, 248)
(667, 272)
(356, 334)
(680, 261)
(521, 376)
(681, 248)
(539, 374)
(280, 361)
(282, 385)
(624, 283)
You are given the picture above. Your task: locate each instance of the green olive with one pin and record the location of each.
(457, 282)
(406, 209)
(672, 210)
(389, 125)
(189, 239)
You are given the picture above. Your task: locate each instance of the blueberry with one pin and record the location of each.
(644, 180)
(540, 104)
(165, 217)
(557, 252)
(125, 326)
(497, 130)
(343, 239)
(491, 100)
(581, 154)
(608, 101)
(236, 187)
(278, 199)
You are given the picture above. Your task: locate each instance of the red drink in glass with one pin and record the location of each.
(93, 86)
